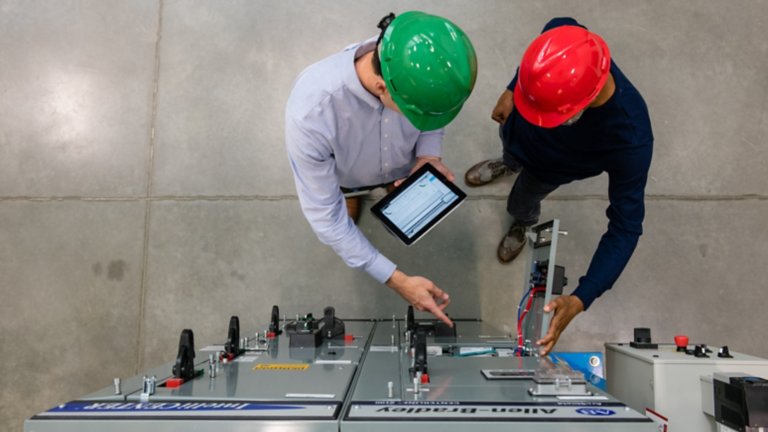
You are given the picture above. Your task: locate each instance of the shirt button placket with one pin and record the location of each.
(385, 144)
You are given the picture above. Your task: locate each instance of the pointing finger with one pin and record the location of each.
(436, 311)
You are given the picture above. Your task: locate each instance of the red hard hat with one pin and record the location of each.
(562, 72)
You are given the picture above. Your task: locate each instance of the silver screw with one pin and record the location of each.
(117, 386)
(211, 366)
(390, 389)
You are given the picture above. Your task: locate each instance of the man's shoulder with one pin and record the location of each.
(315, 84)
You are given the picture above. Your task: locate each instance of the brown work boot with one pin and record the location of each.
(512, 244)
(353, 207)
(486, 171)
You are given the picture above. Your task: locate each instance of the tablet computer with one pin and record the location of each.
(418, 204)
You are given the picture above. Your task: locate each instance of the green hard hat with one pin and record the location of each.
(429, 67)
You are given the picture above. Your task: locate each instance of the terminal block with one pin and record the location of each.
(540, 274)
(308, 332)
(304, 332)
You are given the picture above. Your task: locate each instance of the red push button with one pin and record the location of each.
(174, 382)
(681, 342)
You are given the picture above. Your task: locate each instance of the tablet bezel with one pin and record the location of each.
(376, 209)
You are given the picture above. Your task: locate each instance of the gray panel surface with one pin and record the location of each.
(457, 392)
(312, 388)
(302, 388)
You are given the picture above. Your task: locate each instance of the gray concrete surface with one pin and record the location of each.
(144, 186)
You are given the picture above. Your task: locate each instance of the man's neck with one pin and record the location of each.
(365, 73)
(605, 94)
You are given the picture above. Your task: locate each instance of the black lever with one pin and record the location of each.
(410, 321)
(274, 323)
(332, 326)
(419, 352)
(232, 346)
(185, 359)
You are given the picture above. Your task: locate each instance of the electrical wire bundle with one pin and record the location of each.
(521, 314)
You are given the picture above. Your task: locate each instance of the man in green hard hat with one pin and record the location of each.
(369, 116)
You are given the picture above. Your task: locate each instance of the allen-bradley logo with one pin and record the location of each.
(466, 410)
(597, 412)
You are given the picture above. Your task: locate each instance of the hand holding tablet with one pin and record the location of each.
(418, 204)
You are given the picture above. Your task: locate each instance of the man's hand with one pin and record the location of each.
(421, 293)
(565, 308)
(503, 107)
(436, 162)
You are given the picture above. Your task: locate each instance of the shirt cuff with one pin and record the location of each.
(381, 268)
(586, 294)
(429, 145)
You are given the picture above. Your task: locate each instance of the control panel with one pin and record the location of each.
(325, 373)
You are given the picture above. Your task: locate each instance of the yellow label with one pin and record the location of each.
(282, 366)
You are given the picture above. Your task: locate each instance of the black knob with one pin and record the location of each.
(700, 351)
(724, 352)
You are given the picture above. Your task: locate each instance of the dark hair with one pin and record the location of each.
(383, 24)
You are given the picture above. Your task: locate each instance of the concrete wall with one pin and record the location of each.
(144, 186)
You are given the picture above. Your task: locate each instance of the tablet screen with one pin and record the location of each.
(418, 204)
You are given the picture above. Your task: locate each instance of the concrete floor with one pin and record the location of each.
(144, 186)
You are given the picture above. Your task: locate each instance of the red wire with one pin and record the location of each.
(524, 313)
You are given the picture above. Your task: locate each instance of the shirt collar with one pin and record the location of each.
(351, 79)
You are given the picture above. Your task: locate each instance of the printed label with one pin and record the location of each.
(577, 412)
(177, 410)
(281, 367)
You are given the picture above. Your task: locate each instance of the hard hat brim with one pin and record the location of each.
(428, 123)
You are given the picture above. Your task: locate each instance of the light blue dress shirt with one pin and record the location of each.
(338, 134)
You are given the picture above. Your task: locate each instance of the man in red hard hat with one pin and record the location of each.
(569, 114)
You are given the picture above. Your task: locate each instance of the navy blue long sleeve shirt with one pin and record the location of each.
(615, 138)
